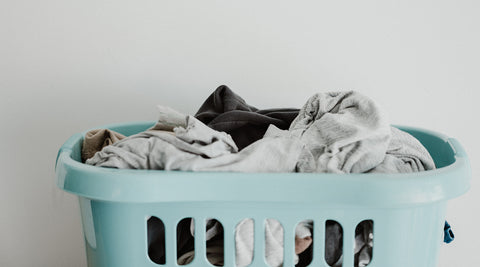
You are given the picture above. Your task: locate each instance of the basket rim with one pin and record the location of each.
(362, 189)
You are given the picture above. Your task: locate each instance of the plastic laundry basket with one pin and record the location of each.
(408, 210)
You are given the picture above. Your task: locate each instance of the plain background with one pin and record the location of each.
(66, 66)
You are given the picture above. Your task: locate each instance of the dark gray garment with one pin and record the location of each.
(227, 112)
(333, 242)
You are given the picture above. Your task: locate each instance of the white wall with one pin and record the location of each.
(66, 66)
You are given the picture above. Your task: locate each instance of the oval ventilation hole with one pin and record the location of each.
(156, 240)
(244, 245)
(214, 242)
(304, 243)
(333, 242)
(185, 241)
(364, 243)
(273, 242)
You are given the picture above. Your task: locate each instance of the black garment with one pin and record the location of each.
(156, 239)
(306, 257)
(227, 112)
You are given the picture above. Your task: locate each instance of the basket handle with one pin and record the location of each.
(67, 147)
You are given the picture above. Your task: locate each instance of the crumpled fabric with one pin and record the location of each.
(97, 139)
(335, 132)
(225, 111)
(404, 154)
(344, 131)
(180, 142)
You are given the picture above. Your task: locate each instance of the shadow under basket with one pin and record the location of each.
(407, 210)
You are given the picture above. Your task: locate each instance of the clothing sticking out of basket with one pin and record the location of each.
(226, 111)
(95, 140)
(336, 132)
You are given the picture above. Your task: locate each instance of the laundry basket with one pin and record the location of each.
(407, 210)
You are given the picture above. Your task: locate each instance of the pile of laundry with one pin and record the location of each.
(334, 132)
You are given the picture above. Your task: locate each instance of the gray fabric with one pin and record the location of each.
(405, 154)
(189, 145)
(339, 132)
(345, 132)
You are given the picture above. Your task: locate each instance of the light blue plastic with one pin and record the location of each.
(408, 210)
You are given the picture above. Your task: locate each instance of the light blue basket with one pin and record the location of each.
(408, 210)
